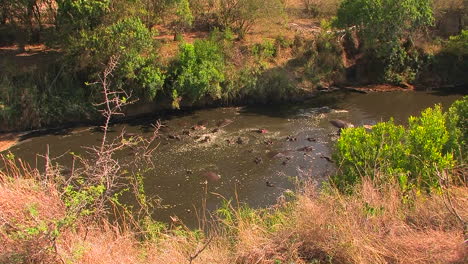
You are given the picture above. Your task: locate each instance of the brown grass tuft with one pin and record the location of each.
(375, 226)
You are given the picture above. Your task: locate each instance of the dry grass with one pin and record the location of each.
(26, 205)
(376, 227)
(371, 226)
(441, 6)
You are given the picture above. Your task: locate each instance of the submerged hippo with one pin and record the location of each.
(340, 124)
(224, 122)
(211, 176)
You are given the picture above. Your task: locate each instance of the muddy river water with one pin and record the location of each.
(258, 152)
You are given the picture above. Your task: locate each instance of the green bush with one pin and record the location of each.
(385, 28)
(264, 50)
(376, 154)
(426, 138)
(457, 122)
(458, 44)
(81, 14)
(197, 72)
(46, 97)
(415, 156)
(451, 63)
(241, 15)
(133, 43)
(324, 62)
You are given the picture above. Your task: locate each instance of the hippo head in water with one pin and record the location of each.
(211, 176)
(341, 124)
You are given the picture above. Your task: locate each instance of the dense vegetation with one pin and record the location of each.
(223, 51)
(415, 157)
(399, 197)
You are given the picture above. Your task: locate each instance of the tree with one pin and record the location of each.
(81, 14)
(384, 25)
(133, 43)
(184, 17)
(26, 15)
(198, 71)
(241, 15)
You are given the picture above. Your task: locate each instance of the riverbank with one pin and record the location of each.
(226, 141)
(45, 87)
(373, 225)
(8, 140)
(383, 205)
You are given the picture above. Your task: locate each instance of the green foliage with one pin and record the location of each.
(198, 71)
(153, 230)
(384, 25)
(415, 156)
(81, 200)
(232, 217)
(46, 96)
(375, 154)
(321, 58)
(133, 43)
(184, 15)
(264, 50)
(458, 45)
(385, 20)
(450, 65)
(81, 14)
(270, 86)
(320, 8)
(426, 138)
(457, 122)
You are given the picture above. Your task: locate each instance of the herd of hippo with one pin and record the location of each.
(196, 133)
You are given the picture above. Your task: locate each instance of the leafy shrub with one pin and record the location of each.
(451, 63)
(241, 15)
(184, 17)
(81, 14)
(385, 28)
(271, 86)
(264, 50)
(324, 59)
(133, 43)
(282, 42)
(426, 138)
(378, 153)
(46, 97)
(198, 71)
(458, 44)
(457, 122)
(414, 156)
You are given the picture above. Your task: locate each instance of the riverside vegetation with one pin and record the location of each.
(399, 196)
(178, 53)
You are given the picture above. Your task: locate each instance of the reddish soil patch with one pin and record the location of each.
(382, 88)
(8, 140)
(34, 56)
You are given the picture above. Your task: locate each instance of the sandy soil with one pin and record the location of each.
(8, 140)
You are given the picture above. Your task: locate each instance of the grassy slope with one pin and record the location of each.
(372, 226)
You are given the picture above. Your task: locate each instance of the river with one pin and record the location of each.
(258, 152)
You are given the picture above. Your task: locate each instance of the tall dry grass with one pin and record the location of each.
(375, 225)
(380, 226)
